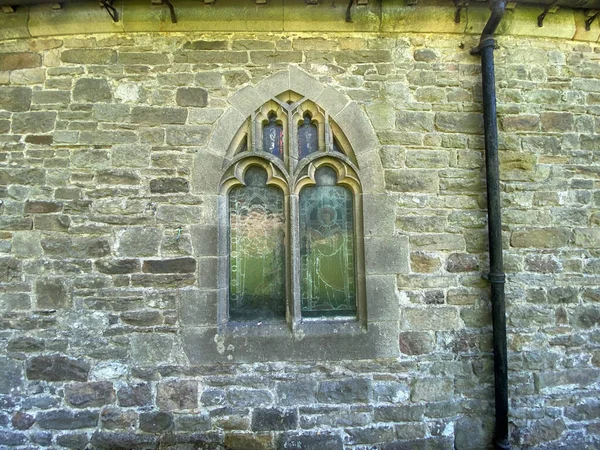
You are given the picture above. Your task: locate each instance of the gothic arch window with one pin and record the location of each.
(293, 211)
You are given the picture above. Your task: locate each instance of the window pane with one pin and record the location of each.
(273, 137)
(308, 141)
(327, 248)
(257, 257)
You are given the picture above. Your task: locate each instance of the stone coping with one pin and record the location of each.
(387, 16)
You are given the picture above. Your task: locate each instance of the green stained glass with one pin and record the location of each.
(327, 248)
(257, 257)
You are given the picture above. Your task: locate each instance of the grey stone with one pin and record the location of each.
(11, 376)
(425, 55)
(178, 265)
(412, 180)
(15, 99)
(453, 122)
(169, 185)
(123, 440)
(416, 343)
(462, 262)
(177, 395)
(249, 397)
(371, 435)
(80, 248)
(197, 97)
(113, 418)
(92, 90)
(139, 394)
(344, 391)
(12, 438)
(89, 56)
(33, 122)
(53, 293)
(296, 393)
(206, 45)
(274, 419)
(580, 377)
(25, 344)
(57, 368)
(156, 421)
(86, 395)
(436, 319)
(118, 266)
(22, 421)
(138, 241)
(76, 440)
(386, 256)
(432, 389)
(149, 115)
(413, 413)
(188, 135)
(67, 419)
(305, 441)
(143, 58)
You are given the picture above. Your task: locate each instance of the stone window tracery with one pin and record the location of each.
(293, 204)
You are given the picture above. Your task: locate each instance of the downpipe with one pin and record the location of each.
(496, 276)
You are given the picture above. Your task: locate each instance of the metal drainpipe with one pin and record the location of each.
(496, 275)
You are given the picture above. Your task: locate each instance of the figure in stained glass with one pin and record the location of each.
(273, 137)
(257, 257)
(308, 139)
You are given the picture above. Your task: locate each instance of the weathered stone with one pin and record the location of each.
(271, 419)
(10, 269)
(206, 45)
(249, 397)
(113, 418)
(118, 266)
(150, 58)
(413, 413)
(522, 122)
(179, 265)
(134, 395)
(344, 391)
(545, 381)
(297, 393)
(416, 343)
(306, 441)
(542, 264)
(413, 180)
(246, 441)
(586, 316)
(557, 121)
(155, 116)
(469, 123)
(371, 435)
(130, 155)
(11, 376)
(39, 207)
(211, 56)
(57, 368)
(89, 56)
(67, 419)
(86, 395)
(415, 121)
(77, 440)
(123, 440)
(17, 61)
(541, 238)
(473, 433)
(177, 395)
(432, 390)
(188, 135)
(92, 90)
(462, 262)
(33, 122)
(22, 421)
(25, 344)
(156, 421)
(442, 318)
(12, 438)
(192, 97)
(169, 185)
(53, 293)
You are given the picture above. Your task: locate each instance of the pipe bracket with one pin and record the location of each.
(495, 277)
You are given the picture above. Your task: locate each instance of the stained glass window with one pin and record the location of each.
(257, 256)
(327, 248)
(273, 137)
(308, 139)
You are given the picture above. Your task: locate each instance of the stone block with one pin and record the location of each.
(22, 421)
(16, 301)
(211, 57)
(357, 390)
(371, 435)
(144, 318)
(462, 262)
(89, 56)
(247, 441)
(274, 419)
(321, 440)
(17, 61)
(444, 242)
(130, 155)
(12, 438)
(382, 298)
(197, 97)
(178, 265)
(386, 256)
(378, 214)
(156, 421)
(585, 316)
(435, 319)
(139, 241)
(415, 121)
(412, 413)
(416, 343)
(123, 440)
(33, 122)
(432, 389)
(109, 112)
(152, 349)
(188, 135)
(66, 419)
(177, 395)
(522, 122)
(88, 395)
(15, 99)
(107, 137)
(541, 238)
(11, 377)
(169, 185)
(118, 266)
(453, 122)
(57, 368)
(266, 57)
(412, 180)
(92, 90)
(149, 58)
(586, 237)
(76, 440)
(53, 293)
(150, 115)
(41, 207)
(51, 97)
(51, 223)
(473, 433)
(293, 393)
(249, 397)
(206, 45)
(26, 244)
(198, 307)
(139, 394)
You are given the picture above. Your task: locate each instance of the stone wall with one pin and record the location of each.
(103, 232)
